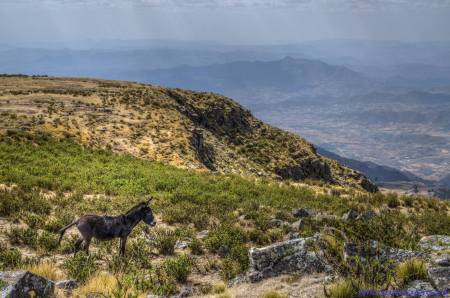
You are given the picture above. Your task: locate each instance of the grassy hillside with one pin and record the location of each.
(187, 129)
(46, 182)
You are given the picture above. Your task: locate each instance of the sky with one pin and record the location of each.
(226, 21)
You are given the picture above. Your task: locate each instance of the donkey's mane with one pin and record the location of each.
(136, 207)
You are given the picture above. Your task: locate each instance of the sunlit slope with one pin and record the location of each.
(194, 130)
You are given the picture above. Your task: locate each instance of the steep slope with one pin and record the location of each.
(183, 128)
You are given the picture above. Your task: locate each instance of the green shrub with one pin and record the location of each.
(67, 245)
(408, 201)
(178, 267)
(139, 253)
(23, 236)
(225, 235)
(164, 240)
(196, 247)
(80, 266)
(393, 201)
(47, 241)
(33, 221)
(229, 268)
(10, 258)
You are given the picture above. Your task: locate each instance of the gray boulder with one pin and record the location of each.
(292, 256)
(439, 271)
(435, 243)
(419, 288)
(302, 212)
(25, 284)
(350, 215)
(372, 249)
(366, 216)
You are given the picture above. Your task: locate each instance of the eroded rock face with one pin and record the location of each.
(205, 152)
(292, 256)
(26, 284)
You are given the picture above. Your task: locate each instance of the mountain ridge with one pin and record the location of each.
(197, 130)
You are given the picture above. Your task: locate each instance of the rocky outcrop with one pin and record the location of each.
(372, 249)
(438, 247)
(302, 212)
(307, 168)
(26, 284)
(292, 256)
(439, 271)
(435, 243)
(205, 152)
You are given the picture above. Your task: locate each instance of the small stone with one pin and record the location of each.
(243, 217)
(350, 215)
(296, 225)
(277, 223)
(203, 234)
(181, 244)
(223, 250)
(185, 292)
(293, 235)
(366, 216)
(67, 285)
(302, 212)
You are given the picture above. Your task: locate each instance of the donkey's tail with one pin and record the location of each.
(63, 230)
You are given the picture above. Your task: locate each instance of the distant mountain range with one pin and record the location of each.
(286, 75)
(376, 173)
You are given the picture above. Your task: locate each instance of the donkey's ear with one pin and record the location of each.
(149, 199)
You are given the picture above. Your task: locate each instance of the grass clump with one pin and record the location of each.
(23, 236)
(343, 289)
(164, 240)
(10, 258)
(218, 288)
(274, 294)
(80, 266)
(99, 285)
(178, 267)
(46, 269)
(410, 270)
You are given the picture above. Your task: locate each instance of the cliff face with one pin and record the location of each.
(188, 129)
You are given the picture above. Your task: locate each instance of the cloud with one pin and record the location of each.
(301, 4)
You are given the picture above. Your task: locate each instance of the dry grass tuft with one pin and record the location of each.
(100, 284)
(46, 269)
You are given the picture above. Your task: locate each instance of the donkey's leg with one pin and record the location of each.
(87, 243)
(123, 243)
(77, 244)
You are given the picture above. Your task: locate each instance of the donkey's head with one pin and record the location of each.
(144, 212)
